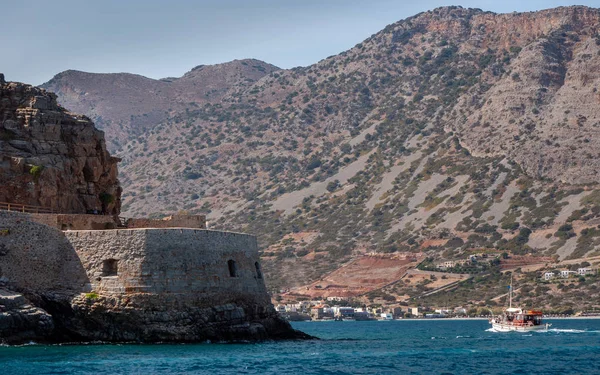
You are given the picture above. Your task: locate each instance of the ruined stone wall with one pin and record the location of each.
(75, 221)
(163, 261)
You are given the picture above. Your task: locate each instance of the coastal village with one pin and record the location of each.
(318, 301)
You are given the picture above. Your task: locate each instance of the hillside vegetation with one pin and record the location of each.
(451, 131)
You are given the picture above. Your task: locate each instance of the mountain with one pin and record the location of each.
(451, 134)
(127, 105)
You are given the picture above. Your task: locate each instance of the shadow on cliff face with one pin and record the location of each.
(39, 270)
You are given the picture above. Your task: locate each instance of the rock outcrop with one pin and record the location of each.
(543, 112)
(51, 157)
(20, 321)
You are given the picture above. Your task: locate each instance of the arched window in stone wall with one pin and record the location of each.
(110, 267)
(232, 268)
(258, 270)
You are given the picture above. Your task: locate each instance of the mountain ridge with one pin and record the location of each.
(126, 104)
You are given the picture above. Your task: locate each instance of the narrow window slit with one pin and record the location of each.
(232, 268)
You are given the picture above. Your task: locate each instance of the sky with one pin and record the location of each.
(157, 39)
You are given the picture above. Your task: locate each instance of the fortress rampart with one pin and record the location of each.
(145, 285)
(220, 265)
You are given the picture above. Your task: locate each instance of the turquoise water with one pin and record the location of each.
(396, 347)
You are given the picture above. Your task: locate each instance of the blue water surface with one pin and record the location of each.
(572, 346)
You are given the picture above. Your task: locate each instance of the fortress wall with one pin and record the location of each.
(151, 285)
(35, 257)
(197, 261)
(165, 261)
(98, 248)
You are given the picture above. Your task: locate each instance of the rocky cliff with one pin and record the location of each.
(51, 157)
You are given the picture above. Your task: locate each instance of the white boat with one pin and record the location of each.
(515, 319)
(519, 320)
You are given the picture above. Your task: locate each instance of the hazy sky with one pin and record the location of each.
(40, 38)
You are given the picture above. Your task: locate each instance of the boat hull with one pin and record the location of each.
(501, 327)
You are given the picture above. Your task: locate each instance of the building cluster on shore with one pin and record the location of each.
(323, 310)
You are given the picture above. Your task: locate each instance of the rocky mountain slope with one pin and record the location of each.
(51, 157)
(453, 131)
(126, 105)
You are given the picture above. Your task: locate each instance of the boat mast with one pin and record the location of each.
(510, 293)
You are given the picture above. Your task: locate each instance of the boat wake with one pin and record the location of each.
(553, 330)
(558, 330)
(498, 331)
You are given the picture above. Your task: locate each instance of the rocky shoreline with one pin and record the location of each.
(54, 318)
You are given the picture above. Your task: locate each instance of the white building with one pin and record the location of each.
(565, 274)
(452, 263)
(303, 306)
(586, 271)
(386, 316)
(549, 275)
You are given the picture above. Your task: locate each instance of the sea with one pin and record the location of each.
(571, 346)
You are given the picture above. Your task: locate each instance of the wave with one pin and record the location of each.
(30, 343)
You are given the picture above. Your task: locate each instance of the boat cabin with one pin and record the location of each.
(527, 318)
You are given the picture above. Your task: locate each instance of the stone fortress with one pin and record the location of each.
(69, 274)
